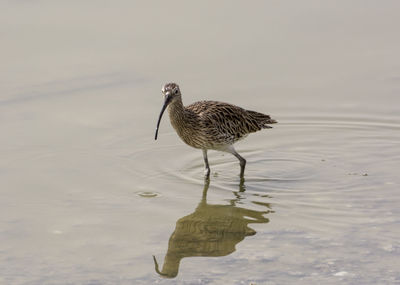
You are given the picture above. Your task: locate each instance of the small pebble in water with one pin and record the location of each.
(148, 194)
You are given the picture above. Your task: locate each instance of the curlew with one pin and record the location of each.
(210, 124)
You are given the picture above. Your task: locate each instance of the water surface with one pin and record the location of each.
(88, 196)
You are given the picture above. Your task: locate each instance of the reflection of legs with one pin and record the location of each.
(206, 165)
(205, 189)
(242, 161)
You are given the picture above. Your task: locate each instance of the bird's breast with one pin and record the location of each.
(188, 129)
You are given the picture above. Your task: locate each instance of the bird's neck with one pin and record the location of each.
(177, 113)
(176, 109)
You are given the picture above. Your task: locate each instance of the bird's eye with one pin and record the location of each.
(176, 91)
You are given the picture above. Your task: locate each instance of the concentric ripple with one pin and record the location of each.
(302, 163)
(298, 149)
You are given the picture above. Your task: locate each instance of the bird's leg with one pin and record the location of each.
(241, 160)
(242, 164)
(206, 165)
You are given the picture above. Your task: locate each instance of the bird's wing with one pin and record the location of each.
(226, 122)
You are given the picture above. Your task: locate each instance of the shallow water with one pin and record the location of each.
(88, 196)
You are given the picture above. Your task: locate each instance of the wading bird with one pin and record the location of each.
(210, 124)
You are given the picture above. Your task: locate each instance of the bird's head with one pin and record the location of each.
(171, 93)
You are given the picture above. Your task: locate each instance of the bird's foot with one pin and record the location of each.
(207, 172)
(242, 187)
(242, 167)
(242, 171)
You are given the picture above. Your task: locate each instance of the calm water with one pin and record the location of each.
(88, 196)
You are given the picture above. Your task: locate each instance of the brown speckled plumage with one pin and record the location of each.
(211, 124)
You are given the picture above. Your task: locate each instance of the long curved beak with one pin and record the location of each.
(166, 102)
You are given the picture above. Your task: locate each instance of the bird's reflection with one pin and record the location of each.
(212, 230)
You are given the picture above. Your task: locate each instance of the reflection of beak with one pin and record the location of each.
(166, 102)
(157, 269)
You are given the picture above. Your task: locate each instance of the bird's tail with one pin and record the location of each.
(264, 120)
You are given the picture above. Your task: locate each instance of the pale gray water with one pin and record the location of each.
(88, 196)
